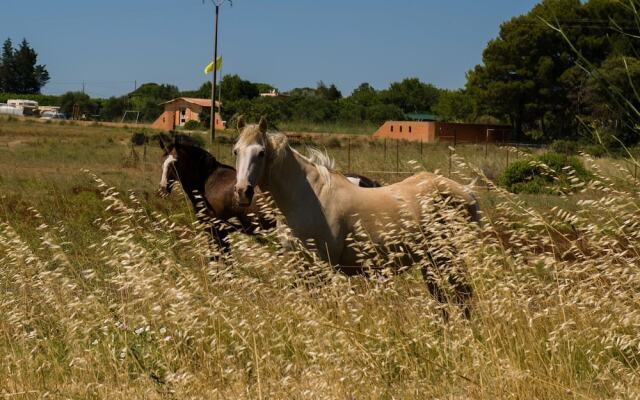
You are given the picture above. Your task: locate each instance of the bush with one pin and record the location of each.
(192, 125)
(567, 147)
(595, 150)
(546, 173)
(138, 138)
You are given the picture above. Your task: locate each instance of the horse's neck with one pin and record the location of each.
(193, 182)
(295, 186)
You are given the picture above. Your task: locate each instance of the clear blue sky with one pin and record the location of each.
(287, 43)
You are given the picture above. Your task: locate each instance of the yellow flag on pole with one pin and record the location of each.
(209, 68)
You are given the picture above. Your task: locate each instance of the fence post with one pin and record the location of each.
(420, 148)
(397, 156)
(450, 162)
(508, 151)
(349, 154)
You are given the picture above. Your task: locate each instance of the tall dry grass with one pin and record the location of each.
(143, 311)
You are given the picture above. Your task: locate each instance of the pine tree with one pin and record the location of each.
(19, 71)
(7, 67)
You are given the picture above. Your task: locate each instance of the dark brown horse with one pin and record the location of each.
(209, 185)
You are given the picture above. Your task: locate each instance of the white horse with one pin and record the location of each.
(322, 207)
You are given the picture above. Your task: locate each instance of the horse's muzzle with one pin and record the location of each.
(164, 191)
(244, 194)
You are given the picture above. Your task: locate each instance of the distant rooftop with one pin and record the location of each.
(192, 100)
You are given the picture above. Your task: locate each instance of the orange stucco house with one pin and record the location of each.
(432, 131)
(178, 111)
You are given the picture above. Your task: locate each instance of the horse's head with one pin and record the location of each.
(169, 174)
(251, 151)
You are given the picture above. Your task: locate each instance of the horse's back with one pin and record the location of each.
(392, 201)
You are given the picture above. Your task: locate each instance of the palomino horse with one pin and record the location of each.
(324, 208)
(210, 187)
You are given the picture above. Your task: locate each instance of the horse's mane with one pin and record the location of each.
(207, 160)
(278, 143)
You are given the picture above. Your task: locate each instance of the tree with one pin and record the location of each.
(351, 111)
(113, 108)
(455, 106)
(365, 95)
(315, 109)
(19, 71)
(302, 92)
(411, 95)
(529, 75)
(85, 105)
(235, 88)
(265, 87)
(148, 98)
(612, 100)
(330, 93)
(161, 92)
(203, 92)
(7, 67)
(380, 113)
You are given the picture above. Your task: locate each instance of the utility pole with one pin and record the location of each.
(217, 4)
(215, 71)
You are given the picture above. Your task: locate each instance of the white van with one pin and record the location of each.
(6, 109)
(28, 107)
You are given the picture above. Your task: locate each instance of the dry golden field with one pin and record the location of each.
(107, 291)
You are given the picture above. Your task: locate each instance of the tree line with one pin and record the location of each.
(322, 104)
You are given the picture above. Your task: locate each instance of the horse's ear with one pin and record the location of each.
(240, 124)
(176, 142)
(262, 125)
(162, 145)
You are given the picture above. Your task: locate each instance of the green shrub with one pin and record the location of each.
(595, 150)
(546, 173)
(567, 147)
(138, 138)
(192, 125)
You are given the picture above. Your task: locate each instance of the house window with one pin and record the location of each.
(400, 128)
(391, 128)
(409, 128)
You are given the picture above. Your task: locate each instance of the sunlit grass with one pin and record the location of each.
(107, 291)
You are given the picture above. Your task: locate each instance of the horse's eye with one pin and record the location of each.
(261, 154)
(235, 152)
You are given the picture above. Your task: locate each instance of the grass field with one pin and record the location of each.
(107, 291)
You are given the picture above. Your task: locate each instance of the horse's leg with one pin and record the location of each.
(217, 237)
(220, 236)
(460, 291)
